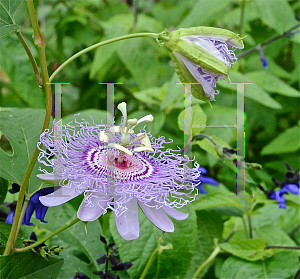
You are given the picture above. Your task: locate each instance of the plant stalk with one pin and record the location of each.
(210, 258)
(40, 44)
(17, 250)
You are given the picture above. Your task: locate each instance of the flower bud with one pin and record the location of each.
(201, 55)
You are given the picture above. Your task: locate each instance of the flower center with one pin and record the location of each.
(127, 137)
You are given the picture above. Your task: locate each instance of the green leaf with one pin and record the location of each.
(22, 128)
(286, 142)
(141, 61)
(272, 13)
(152, 95)
(282, 265)
(3, 189)
(210, 226)
(249, 249)
(168, 264)
(174, 92)
(198, 119)
(7, 21)
(29, 265)
(252, 91)
(78, 241)
(216, 199)
(271, 83)
(4, 234)
(204, 12)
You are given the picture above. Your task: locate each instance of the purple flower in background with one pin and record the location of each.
(34, 204)
(292, 188)
(203, 179)
(119, 170)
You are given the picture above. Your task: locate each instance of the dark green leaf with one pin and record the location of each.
(22, 128)
(3, 189)
(7, 11)
(168, 264)
(29, 265)
(286, 142)
(282, 265)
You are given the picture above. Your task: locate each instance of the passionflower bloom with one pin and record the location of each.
(34, 204)
(204, 179)
(292, 188)
(117, 169)
(201, 55)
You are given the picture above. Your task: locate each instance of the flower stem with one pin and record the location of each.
(129, 36)
(40, 44)
(31, 58)
(17, 250)
(149, 263)
(210, 258)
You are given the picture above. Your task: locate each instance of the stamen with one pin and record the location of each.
(120, 147)
(147, 118)
(122, 108)
(143, 148)
(103, 137)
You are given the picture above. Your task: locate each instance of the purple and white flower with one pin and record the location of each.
(117, 169)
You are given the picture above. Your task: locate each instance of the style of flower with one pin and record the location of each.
(34, 204)
(119, 170)
(201, 55)
(203, 179)
(292, 188)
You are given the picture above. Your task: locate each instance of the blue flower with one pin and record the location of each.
(287, 188)
(203, 179)
(34, 204)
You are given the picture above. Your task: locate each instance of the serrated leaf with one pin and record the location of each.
(288, 141)
(281, 265)
(271, 83)
(7, 21)
(272, 13)
(168, 264)
(29, 265)
(210, 226)
(249, 249)
(252, 91)
(22, 128)
(198, 119)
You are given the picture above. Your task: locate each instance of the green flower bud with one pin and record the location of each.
(201, 55)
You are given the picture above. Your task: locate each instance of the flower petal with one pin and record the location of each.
(49, 177)
(60, 196)
(158, 218)
(91, 211)
(128, 222)
(176, 214)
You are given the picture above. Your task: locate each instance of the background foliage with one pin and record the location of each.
(149, 86)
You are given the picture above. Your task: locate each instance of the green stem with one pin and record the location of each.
(21, 217)
(282, 247)
(245, 226)
(210, 258)
(17, 250)
(40, 44)
(31, 58)
(242, 17)
(149, 263)
(129, 36)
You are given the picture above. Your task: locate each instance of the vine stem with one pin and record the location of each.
(17, 250)
(151, 259)
(40, 44)
(31, 58)
(21, 217)
(129, 36)
(210, 258)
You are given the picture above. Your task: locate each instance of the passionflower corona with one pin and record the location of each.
(202, 55)
(117, 169)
